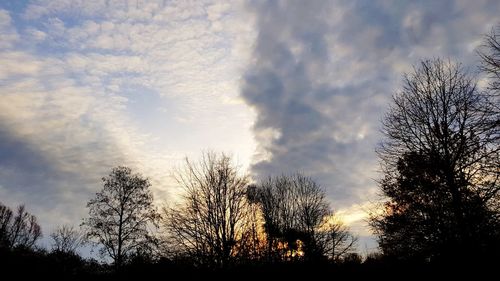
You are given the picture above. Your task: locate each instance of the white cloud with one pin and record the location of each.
(8, 35)
(42, 8)
(36, 34)
(87, 85)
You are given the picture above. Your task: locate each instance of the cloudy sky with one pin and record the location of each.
(281, 85)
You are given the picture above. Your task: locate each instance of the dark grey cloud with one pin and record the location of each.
(323, 73)
(53, 180)
(14, 152)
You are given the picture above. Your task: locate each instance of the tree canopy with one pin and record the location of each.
(120, 214)
(440, 159)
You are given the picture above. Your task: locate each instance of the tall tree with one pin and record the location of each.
(120, 215)
(19, 229)
(440, 159)
(209, 222)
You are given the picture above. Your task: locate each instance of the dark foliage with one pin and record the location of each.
(298, 221)
(440, 160)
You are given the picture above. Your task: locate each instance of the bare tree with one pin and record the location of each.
(5, 224)
(440, 160)
(490, 65)
(121, 214)
(293, 208)
(335, 239)
(18, 230)
(67, 239)
(490, 58)
(208, 223)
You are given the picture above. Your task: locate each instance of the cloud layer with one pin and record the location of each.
(88, 85)
(323, 73)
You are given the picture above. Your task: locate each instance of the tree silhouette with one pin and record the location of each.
(252, 245)
(209, 222)
(293, 208)
(335, 240)
(5, 225)
(18, 230)
(119, 215)
(490, 58)
(440, 161)
(67, 239)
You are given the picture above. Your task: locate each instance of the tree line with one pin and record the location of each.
(220, 221)
(440, 169)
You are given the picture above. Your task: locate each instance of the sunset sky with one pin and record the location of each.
(282, 86)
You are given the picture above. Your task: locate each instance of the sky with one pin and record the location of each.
(282, 86)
